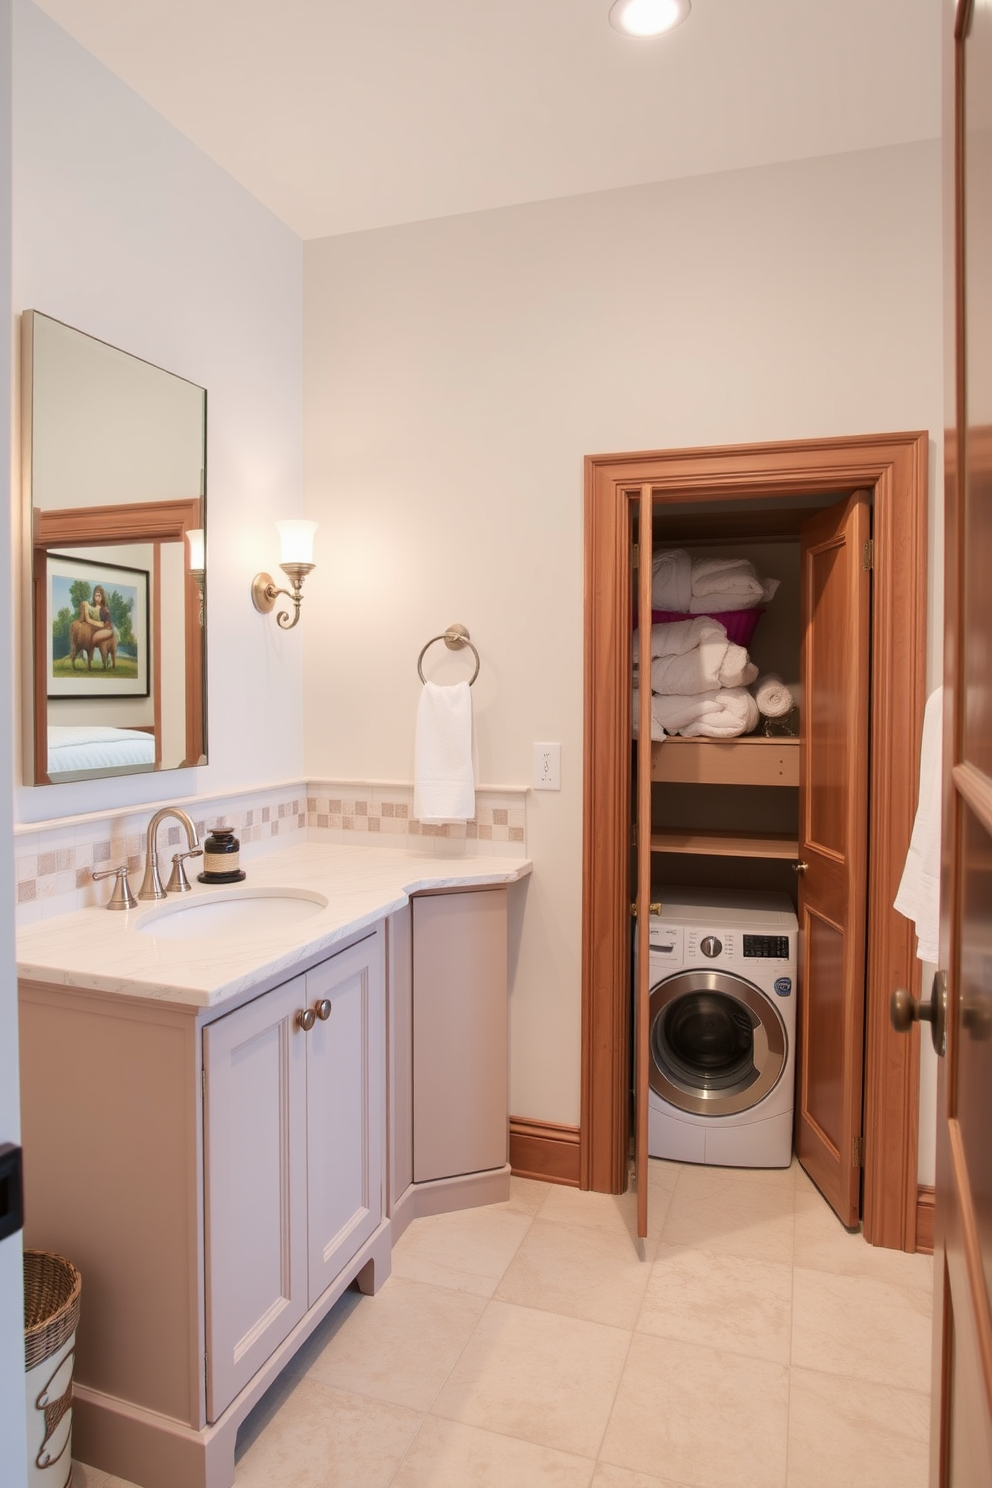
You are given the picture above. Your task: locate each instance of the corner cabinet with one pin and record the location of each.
(293, 1141)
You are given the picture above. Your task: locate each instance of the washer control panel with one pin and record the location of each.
(766, 947)
(710, 946)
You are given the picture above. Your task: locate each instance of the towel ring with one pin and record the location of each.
(455, 637)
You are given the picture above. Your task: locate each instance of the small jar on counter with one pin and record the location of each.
(221, 852)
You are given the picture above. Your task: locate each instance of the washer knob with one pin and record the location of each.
(710, 946)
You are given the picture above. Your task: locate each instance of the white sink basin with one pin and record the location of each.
(231, 913)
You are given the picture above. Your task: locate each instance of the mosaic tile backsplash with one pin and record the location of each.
(54, 864)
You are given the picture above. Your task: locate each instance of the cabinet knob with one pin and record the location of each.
(305, 1019)
(799, 867)
(323, 1009)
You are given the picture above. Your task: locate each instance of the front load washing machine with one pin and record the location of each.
(722, 1028)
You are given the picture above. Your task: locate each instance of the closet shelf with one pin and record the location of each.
(754, 760)
(726, 844)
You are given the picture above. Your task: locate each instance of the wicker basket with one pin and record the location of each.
(51, 1304)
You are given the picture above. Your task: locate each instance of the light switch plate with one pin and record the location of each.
(547, 767)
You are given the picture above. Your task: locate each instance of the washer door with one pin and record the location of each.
(718, 1046)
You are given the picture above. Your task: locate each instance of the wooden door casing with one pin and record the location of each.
(642, 959)
(833, 846)
(894, 468)
(344, 1099)
(961, 1399)
(255, 1200)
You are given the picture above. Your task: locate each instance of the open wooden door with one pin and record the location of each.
(961, 1434)
(833, 848)
(642, 954)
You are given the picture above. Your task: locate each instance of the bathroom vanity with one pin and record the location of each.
(220, 1101)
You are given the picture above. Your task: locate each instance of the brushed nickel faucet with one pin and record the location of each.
(151, 887)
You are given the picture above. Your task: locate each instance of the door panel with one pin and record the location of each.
(642, 945)
(344, 1097)
(962, 1389)
(254, 1187)
(833, 845)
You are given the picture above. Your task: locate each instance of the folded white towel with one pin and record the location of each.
(443, 778)
(726, 576)
(919, 890)
(773, 697)
(729, 712)
(716, 601)
(680, 636)
(671, 579)
(737, 669)
(712, 664)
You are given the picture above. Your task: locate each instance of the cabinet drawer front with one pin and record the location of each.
(345, 1056)
(255, 1187)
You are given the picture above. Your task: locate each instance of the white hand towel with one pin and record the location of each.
(727, 576)
(773, 697)
(671, 581)
(919, 890)
(443, 778)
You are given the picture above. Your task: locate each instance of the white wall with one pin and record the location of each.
(456, 372)
(13, 1453)
(125, 230)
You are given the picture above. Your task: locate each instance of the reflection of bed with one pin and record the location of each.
(76, 749)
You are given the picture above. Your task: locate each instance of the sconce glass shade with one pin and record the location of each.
(648, 17)
(297, 541)
(195, 539)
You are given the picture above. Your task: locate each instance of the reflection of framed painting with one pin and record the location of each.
(97, 629)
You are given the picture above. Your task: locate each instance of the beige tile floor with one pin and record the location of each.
(750, 1343)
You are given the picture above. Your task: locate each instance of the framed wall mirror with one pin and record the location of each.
(113, 457)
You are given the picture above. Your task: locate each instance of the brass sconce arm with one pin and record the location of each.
(264, 593)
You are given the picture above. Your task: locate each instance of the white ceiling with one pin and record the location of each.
(342, 115)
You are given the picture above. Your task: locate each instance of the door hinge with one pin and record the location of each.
(858, 1152)
(868, 554)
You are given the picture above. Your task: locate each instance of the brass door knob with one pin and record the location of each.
(305, 1019)
(799, 867)
(904, 1011)
(323, 1009)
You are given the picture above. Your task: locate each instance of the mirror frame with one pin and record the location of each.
(98, 526)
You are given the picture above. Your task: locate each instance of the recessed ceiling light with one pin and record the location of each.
(648, 17)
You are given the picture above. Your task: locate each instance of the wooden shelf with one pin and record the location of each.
(754, 760)
(726, 844)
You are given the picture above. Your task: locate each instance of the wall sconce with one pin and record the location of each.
(297, 561)
(194, 537)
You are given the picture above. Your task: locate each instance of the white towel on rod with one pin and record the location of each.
(919, 889)
(443, 777)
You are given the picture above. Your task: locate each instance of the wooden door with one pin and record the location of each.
(961, 1436)
(254, 1139)
(345, 1080)
(642, 944)
(833, 848)
(459, 1034)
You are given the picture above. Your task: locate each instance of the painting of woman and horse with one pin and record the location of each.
(97, 631)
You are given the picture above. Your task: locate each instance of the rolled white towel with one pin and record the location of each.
(727, 576)
(773, 697)
(729, 712)
(671, 579)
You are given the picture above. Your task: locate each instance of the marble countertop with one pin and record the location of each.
(106, 952)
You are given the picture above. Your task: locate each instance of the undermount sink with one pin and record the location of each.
(231, 912)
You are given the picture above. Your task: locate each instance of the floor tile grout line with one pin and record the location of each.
(429, 1412)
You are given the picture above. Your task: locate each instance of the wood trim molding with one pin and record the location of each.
(544, 1150)
(925, 1205)
(894, 467)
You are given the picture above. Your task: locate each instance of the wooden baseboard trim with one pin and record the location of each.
(544, 1150)
(925, 1195)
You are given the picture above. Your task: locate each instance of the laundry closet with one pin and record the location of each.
(780, 813)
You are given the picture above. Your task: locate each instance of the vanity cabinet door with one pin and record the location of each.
(255, 1160)
(345, 1080)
